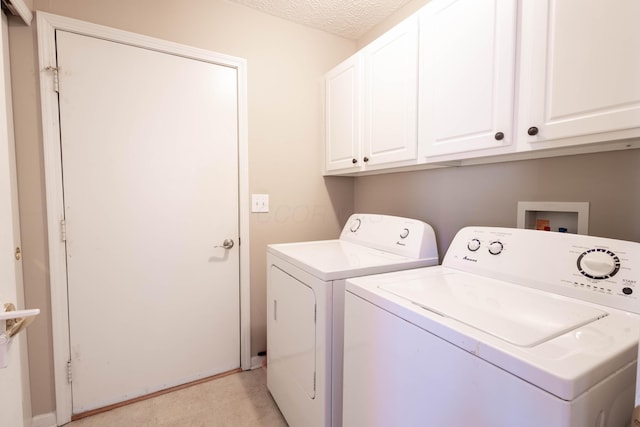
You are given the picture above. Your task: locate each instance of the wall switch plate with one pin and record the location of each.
(259, 203)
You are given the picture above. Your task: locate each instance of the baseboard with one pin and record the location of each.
(45, 420)
(257, 362)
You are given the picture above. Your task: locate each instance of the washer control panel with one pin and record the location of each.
(494, 248)
(601, 270)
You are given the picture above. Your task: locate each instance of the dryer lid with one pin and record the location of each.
(340, 259)
(521, 316)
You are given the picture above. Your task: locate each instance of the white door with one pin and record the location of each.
(467, 72)
(391, 95)
(14, 386)
(150, 179)
(580, 68)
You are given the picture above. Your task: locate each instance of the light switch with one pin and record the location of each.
(259, 203)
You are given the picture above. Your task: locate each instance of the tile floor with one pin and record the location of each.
(237, 400)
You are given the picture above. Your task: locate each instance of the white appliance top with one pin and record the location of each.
(518, 315)
(368, 244)
(557, 310)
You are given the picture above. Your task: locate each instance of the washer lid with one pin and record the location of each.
(518, 315)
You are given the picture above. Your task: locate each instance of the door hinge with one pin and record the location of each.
(69, 378)
(56, 81)
(63, 230)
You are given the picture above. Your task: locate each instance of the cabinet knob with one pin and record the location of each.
(532, 131)
(354, 161)
(366, 159)
(499, 136)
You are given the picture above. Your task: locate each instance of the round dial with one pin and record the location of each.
(355, 225)
(495, 247)
(404, 233)
(473, 245)
(598, 264)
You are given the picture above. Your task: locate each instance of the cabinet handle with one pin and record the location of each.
(354, 161)
(366, 159)
(499, 136)
(532, 131)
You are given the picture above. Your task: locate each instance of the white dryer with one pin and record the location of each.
(305, 302)
(516, 328)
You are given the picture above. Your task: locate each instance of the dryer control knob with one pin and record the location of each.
(495, 247)
(473, 245)
(598, 264)
(404, 233)
(355, 224)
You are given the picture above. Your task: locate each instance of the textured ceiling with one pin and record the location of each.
(346, 18)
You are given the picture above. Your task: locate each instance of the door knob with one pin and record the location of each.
(227, 244)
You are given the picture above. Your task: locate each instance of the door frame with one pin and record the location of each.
(47, 24)
(16, 400)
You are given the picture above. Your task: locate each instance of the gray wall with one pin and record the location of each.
(452, 198)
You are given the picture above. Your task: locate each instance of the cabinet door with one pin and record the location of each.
(342, 121)
(580, 72)
(390, 95)
(467, 73)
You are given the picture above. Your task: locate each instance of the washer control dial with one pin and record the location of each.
(495, 247)
(404, 233)
(473, 245)
(598, 264)
(355, 224)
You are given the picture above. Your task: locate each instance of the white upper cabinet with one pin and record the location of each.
(371, 100)
(391, 96)
(342, 116)
(464, 81)
(580, 72)
(467, 73)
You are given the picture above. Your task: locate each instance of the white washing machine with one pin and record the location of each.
(516, 328)
(305, 302)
